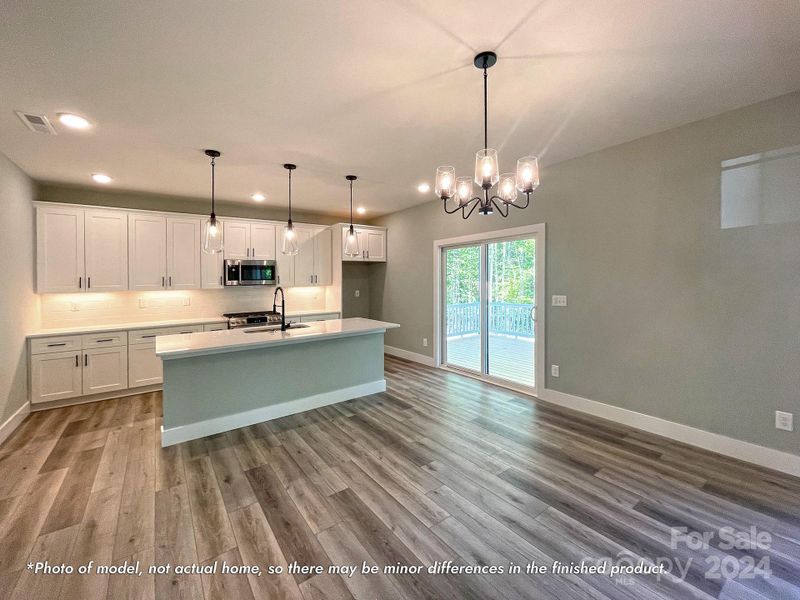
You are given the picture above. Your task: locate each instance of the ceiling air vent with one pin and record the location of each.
(36, 123)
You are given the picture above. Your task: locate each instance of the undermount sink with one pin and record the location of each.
(275, 328)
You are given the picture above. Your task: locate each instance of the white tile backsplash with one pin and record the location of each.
(67, 310)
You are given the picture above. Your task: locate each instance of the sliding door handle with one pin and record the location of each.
(533, 313)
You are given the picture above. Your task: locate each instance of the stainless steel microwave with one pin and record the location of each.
(250, 272)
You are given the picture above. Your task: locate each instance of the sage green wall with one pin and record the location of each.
(50, 192)
(355, 276)
(19, 306)
(667, 314)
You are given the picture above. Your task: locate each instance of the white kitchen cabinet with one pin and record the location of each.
(236, 239)
(56, 376)
(215, 327)
(81, 250)
(105, 370)
(184, 246)
(323, 266)
(243, 240)
(371, 242)
(147, 251)
(144, 367)
(262, 241)
(106, 250)
(284, 265)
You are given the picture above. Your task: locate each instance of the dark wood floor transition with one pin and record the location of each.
(439, 468)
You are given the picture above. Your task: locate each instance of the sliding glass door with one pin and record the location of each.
(489, 306)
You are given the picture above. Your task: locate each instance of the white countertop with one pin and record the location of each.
(152, 324)
(232, 340)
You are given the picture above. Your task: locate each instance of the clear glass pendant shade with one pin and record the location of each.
(351, 243)
(212, 236)
(289, 240)
(487, 173)
(507, 188)
(445, 182)
(527, 174)
(463, 190)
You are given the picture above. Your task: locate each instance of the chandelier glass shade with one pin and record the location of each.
(456, 193)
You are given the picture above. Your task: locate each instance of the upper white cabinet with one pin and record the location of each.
(243, 240)
(312, 264)
(164, 252)
(147, 251)
(211, 270)
(184, 246)
(106, 250)
(371, 242)
(80, 250)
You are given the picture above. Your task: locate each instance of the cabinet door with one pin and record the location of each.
(147, 251)
(285, 268)
(304, 260)
(374, 241)
(106, 247)
(262, 241)
(184, 246)
(212, 270)
(105, 370)
(59, 250)
(55, 376)
(236, 239)
(144, 367)
(323, 267)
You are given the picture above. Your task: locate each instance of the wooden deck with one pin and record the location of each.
(510, 357)
(441, 467)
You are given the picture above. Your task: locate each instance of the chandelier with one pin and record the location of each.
(487, 173)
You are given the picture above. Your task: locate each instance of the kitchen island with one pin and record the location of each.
(222, 380)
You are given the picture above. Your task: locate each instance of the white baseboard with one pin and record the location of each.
(192, 431)
(739, 449)
(7, 428)
(408, 355)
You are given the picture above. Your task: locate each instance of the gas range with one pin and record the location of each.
(253, 319)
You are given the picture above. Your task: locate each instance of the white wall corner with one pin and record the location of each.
(408, 355)
(14, 421)
(714, 442)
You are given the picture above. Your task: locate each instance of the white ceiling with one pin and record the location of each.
(384, 89)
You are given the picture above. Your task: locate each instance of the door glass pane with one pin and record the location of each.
(511, 298)
(463, 307)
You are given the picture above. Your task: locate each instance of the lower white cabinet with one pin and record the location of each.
(215, 327)
(144, 367)
(56, 376)
(105, 370)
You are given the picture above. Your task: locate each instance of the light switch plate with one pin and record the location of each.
(559, 300)
(358, 293)
(554, 370)
(784, 420)
(425, 342)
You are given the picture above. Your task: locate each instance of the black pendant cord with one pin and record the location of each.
(351, 206)
(213, 185)
(290, 197)
(485, 108)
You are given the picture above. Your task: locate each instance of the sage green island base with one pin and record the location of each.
(222, 380)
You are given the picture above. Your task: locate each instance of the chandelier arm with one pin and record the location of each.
(500, 205)
(527, 201)
(449, 212)
(466, 215)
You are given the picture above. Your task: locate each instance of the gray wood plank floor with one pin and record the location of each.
(439, 468)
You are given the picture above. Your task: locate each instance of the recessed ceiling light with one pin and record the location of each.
(361, 210)
(258, 197)
(101, 178)
(73, 121)
(423, 187)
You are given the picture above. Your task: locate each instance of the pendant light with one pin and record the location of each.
(289, 234)
(351, 241)
(212, 235)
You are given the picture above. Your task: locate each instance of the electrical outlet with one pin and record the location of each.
(559, 300)
(187, 301)
(358, 293)
(784, 420)
(142, 303)
(425, 342)
(554, 370)
(74, 306)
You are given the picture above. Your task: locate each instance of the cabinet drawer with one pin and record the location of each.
(102, 340)
(215, 327)
(184, 329)
(147, 336)
(63, 343)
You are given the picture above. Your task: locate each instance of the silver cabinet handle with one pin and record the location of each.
(152, 335)
(220, 279)
(248, 252)
(77, 364)
(254, 252)
(105, 340)
(80, 283)
(170, 281)
(85, 360)
(55, 345)
(163, 282)
(279, 279)
(88, 283)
